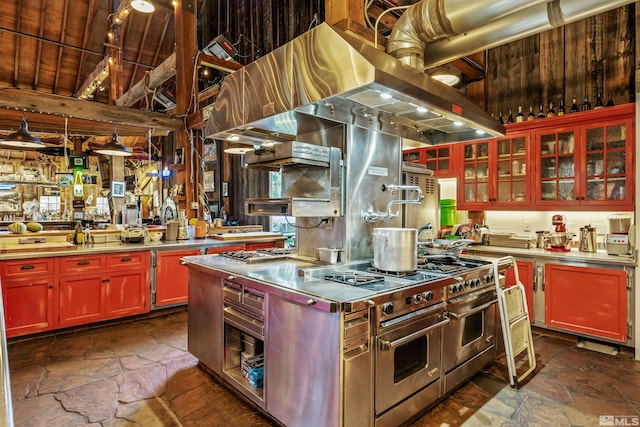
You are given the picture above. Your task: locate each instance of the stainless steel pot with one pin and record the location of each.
(395, 249)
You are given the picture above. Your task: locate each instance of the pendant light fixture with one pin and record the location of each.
(114, 147)
(144, 6)
(23, 138)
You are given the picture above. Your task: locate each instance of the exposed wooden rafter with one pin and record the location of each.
(97, 76)
(43, 13)
(220, 64)
(151, 81)
(63, 31)
(165, 26)
(16, 59)
(85, 41)
(143, 40)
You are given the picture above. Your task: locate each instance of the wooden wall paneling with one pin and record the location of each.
(491, 93)
(513, 72)
(268, 21)
(531, 77)
(619, 60)
(552, 70)
(575, 61)
(596, 55)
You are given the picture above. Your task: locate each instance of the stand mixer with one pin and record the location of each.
(559, 240)
(559, 221)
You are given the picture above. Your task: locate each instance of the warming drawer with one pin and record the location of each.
(300, 207)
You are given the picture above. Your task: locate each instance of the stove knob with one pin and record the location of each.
(387, 308)
(417, 298)
(477, 281)
(460, 287)
(428, 296)
(453, 289)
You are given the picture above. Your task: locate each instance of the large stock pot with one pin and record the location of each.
(395, 249)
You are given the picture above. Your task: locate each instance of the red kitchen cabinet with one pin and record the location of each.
(96, 288)
(414, 155)
(474, 188)
(260, 245)
(525, 274)
(29, 294)
(439, 159)
(82, 299)
(592, 301)
(29, 306)
(172, 278)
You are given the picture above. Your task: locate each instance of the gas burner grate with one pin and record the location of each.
(353, 278)
(242, 255)
(275, 251)
(391, 273)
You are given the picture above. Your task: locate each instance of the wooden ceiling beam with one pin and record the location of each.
(97, 76)
(151, 81)
(88, 110)
(167, 19)
(85, 41)
(217, 63)
(63, 30)
(43, 13)
(143, 40)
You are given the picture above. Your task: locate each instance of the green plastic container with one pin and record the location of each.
(447, 212)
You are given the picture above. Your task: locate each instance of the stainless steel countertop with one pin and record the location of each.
(98, 248)
(287, 274)
(573, 256)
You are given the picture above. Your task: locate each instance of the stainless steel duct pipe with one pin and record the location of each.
(444, 30)
(430, 20)
(515, 26)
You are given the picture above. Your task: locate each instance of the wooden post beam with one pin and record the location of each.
(89, 110)
(94, 79)
(153, 80)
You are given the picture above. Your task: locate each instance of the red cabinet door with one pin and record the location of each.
(127, 293)
(219, 249)
(525, 274)
(261, 245)
(588, 300)
(172, 278)
(82, 299)
(28, 306)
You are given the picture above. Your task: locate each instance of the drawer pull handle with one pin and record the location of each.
(126, 259)
(27, 267)
(84, 262)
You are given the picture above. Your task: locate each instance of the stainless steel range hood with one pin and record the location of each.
(327, 74)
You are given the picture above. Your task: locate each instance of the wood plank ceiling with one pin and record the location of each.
(55, 46)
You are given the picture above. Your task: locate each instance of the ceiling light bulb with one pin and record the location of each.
(233, 138)
(448, 79)
(144, 6)
(385, 95)
(457, 123)
(421, 110)
(479, 132)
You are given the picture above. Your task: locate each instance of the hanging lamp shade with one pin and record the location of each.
(114, 147)
(144, 6)
(23, 138)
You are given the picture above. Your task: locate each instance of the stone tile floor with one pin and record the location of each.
(139, 373)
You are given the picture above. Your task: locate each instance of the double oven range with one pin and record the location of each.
(431, 329)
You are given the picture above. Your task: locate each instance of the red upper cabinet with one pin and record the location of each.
(474, 185)
(440, 159)
(415, 155)
(512, 185)
(557, 157)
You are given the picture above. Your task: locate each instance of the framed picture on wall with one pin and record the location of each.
(117, 189)
(210, 153)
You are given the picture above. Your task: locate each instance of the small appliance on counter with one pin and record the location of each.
(559, 240)
(588, 239)
(621, 237)
(132, 234)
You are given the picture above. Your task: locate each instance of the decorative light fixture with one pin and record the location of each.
(114, 147)
(239, 149)
(23, 138)
(448, 79)
(144, 6)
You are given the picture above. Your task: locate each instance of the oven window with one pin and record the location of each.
(473, 328)
(409, 358)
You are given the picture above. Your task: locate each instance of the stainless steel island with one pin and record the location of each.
(311, 351)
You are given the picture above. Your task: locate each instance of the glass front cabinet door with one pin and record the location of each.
(557, 167)
(512, 183)
(474, 193)
(608, 164)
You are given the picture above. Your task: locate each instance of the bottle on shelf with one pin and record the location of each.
(551, 112)
(561, 108)
(500, 120)
(610, 101)
(541, 114)
(520, 116)
(531, 115)
(510, 118)
(586, 105)
(574, 107)
(599, 103)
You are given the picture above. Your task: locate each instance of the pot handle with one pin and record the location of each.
(376, 236)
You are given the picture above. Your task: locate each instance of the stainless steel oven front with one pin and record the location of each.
(472, 329)
(407, 356)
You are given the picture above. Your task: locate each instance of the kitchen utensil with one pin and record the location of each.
(395, 249)
(445, 247)
(541, 237)
(587, 239)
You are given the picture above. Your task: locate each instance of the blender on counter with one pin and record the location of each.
(621, 237)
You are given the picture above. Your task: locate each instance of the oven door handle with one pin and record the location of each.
(385, 345)
(456, 316)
